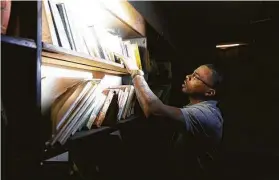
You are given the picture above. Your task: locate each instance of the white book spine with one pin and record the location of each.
(59, 25)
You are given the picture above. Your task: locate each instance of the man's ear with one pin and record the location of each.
(210, 92)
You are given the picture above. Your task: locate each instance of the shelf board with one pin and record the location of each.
(86, 133)
(125, 18)
(63, 57)
(29, 43)
(50, 151)
(101, 130)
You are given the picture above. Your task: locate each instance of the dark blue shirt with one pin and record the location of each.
(197, 144)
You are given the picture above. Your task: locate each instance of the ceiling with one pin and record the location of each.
(208, 23)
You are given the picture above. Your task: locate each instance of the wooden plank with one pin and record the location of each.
(130, 119)
(91, 132)
(73, 65)
(80, 58)
(29, 43)
(103, 129)
(127, 14)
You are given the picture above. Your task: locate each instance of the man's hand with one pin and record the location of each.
(130, 64)
(149, 102)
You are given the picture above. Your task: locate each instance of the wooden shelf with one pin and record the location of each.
(101, 130)
(29, 43)
(125, 18)
(59, 56)
(51, 151)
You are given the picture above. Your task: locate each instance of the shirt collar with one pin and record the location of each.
(209, 102)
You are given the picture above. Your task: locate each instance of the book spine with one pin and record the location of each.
(102, 113)
(137, 55)
(77, 37)
(122, 103)
(59, 26)
(50, 23)
(129, 102)
(77, 123)
(95, 112)
(64, 18)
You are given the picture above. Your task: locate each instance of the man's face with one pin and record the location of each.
(199, 82)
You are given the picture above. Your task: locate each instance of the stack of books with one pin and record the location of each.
(70, 30)
(88, 104)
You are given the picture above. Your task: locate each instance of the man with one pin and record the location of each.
(199, 124)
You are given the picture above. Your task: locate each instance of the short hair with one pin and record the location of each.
(216, 76)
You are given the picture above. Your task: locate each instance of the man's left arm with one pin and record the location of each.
(151, 104)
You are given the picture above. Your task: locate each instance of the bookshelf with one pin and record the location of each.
(63, 57)
(29, 43)
(102, 130)
(26, 49)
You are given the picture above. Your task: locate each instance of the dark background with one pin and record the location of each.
(250, 99)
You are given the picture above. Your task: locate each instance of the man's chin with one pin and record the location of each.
(184, 90)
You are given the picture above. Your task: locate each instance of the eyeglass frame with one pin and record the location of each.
(194, 74)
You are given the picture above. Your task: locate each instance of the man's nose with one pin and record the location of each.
(188, 77)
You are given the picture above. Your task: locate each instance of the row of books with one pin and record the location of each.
(68, 30)
(88, 104)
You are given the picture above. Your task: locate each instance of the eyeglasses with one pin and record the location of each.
(194, 75)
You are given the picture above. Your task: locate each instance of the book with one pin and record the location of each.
(87, 103)
(58, 103)
(101, 35)
(75, 27)
(74, 123)
(126, 94)
(132, 109)
(133, 53)
(85, 117)
(143, 51)
(60, 31)
(122, 102)
(128, 106)
(101, 116)
(92, 42)
(136, 55)
(72, 102)
(65, 21)
(95, 112)
(84, 101)
(49, 23)
(111, 114)
(73, 114)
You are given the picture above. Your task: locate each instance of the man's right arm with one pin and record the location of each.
(149, 102)
(152, 105)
